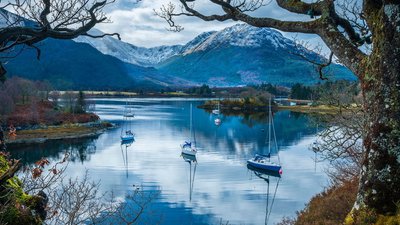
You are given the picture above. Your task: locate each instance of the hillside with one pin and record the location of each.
(71, 65)
(242, 54)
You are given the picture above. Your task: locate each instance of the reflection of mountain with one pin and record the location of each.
(80, 150)
(238, 134)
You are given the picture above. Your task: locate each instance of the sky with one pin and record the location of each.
(138, 25)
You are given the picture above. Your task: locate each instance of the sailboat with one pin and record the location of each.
(217, 111)
(126, 130)
(191, 159)
(128, 111)
(189, 147)
(266, 176)
(264, 161)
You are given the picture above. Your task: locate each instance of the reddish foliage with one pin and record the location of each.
(43, 162)
(44, 112)
(36, 172)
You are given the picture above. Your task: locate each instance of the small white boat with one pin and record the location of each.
(188, 147)
(126, 130)
(217, 121)
(129, 114)
(217, 111)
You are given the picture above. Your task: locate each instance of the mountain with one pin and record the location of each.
(70, 65)
(237, 55)
(242, 54)
(129, 53)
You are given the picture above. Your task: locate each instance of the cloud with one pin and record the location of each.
(138, 25)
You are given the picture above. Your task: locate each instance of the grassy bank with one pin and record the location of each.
(67, 131)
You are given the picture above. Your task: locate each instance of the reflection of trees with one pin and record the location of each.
(79, 149)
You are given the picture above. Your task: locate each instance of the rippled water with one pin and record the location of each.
(223, 189)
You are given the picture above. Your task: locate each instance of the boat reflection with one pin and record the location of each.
(266, 175)
(124, 150)
(191, 159)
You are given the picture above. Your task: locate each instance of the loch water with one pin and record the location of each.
(219, 189)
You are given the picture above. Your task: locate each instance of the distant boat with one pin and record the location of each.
(264, 161)
(189, 147)
(128, 111)
(217, 111)
(217, 121)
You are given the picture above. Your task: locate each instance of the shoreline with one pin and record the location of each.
(49, 133)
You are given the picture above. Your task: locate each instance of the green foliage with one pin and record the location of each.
(272, 89)
(16, 206)
(300, 91)
(80, 105)
(203, 90)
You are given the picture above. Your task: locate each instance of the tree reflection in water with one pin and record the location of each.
(80, 150)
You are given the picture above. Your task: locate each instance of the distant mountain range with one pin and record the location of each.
(237, 55)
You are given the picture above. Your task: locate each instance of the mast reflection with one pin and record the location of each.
(266, 175)
(192, 161)
(124, 151)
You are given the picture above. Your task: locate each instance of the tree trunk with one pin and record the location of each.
(380, 175)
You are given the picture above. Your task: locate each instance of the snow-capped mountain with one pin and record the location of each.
(240, 35)
(138, 55)
(243, 35)
(237, 55)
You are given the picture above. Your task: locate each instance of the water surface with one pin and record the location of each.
(221, 188)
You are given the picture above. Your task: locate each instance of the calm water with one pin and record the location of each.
(220, 188)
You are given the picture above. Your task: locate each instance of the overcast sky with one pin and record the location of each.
(138, 25)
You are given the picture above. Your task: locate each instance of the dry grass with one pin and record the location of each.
(327, 208)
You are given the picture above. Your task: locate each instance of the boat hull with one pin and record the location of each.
(264, 165)
(264, 171)
(127, 138)
(189, 151)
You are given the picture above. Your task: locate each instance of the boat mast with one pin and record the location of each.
(190, 122)
(269, 129)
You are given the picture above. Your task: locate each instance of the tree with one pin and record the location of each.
(346, 27)
(36, 20)
(80, 103)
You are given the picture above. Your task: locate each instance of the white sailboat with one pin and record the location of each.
(264, 161)
(189, 147)
(128, 111)
(126, 130)
(218, 110)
